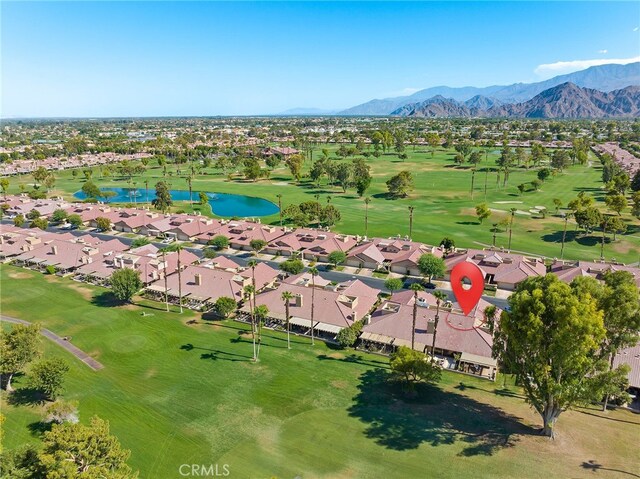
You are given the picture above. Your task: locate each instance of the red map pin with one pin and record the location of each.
(467, 298)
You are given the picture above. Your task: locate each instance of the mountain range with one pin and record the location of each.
(604, 78)
(563, 101)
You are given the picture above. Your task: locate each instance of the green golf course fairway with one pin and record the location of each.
(178, 393)
(442, 201)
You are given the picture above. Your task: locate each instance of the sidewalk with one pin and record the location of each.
(78, 353)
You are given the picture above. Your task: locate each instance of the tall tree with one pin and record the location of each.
(416, 288)
(482, 212)
(411, 208)
(532, 340)
(261, 312)
(78, 450)
(440, 298)
(313, 271)
(295, 162)
(619, 299)
(431, 266)
(177, 248)
(393, 284)
(249, 293)
(434, 142)
(125, 283)
(48, 376)
(367, 200)
(18, 348)
(163, 200)
(286, 297)
(400, 185)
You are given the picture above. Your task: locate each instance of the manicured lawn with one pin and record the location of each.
(442, 201)
(180, 394)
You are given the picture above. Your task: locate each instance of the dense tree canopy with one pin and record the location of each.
(48, 376)
(78, 450)
(412, 366)
(400, 185)
(551, 338)
(125, 283)
(431, 266)
(18, 347)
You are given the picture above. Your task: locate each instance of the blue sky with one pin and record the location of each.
(210, 58)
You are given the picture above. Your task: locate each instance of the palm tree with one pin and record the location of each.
(416, 288)
(367, 200)
(286, 297)
(249, 294)
(261, 315)
(166, 288)
(252, 264)
(440, 297)
(564, 234)
(513, 213)
(313, 272)
(177, 247)
(279, 196)
(411, 208)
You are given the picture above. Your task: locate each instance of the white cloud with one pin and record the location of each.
(560, 68)
(636, 29)
(604, 52)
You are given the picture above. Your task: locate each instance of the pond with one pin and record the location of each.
(222, 204)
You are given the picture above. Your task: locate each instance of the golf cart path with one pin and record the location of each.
(78, 353)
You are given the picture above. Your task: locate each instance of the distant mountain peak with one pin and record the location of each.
(566, 100)
(604, 78)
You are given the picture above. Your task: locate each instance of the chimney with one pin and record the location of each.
(367, 319)
(198, 279)
(354, 315)
(54, 249)
(299, 300)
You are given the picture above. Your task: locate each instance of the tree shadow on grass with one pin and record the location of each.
(38, 428)
(216, 354)
(106, 299)
(431, 416)
(355, 358)
(585, 410)
(468, 223)
(594, 466)
(504, 392)
(384, 196)
(577, 236)
(26, 397)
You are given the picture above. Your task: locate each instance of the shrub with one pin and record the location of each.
(41, 223)
(75, 220)
(224, 306)
(219, 242)
(103, 224)
(348, 336)
(138, 242)
(292, 266)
